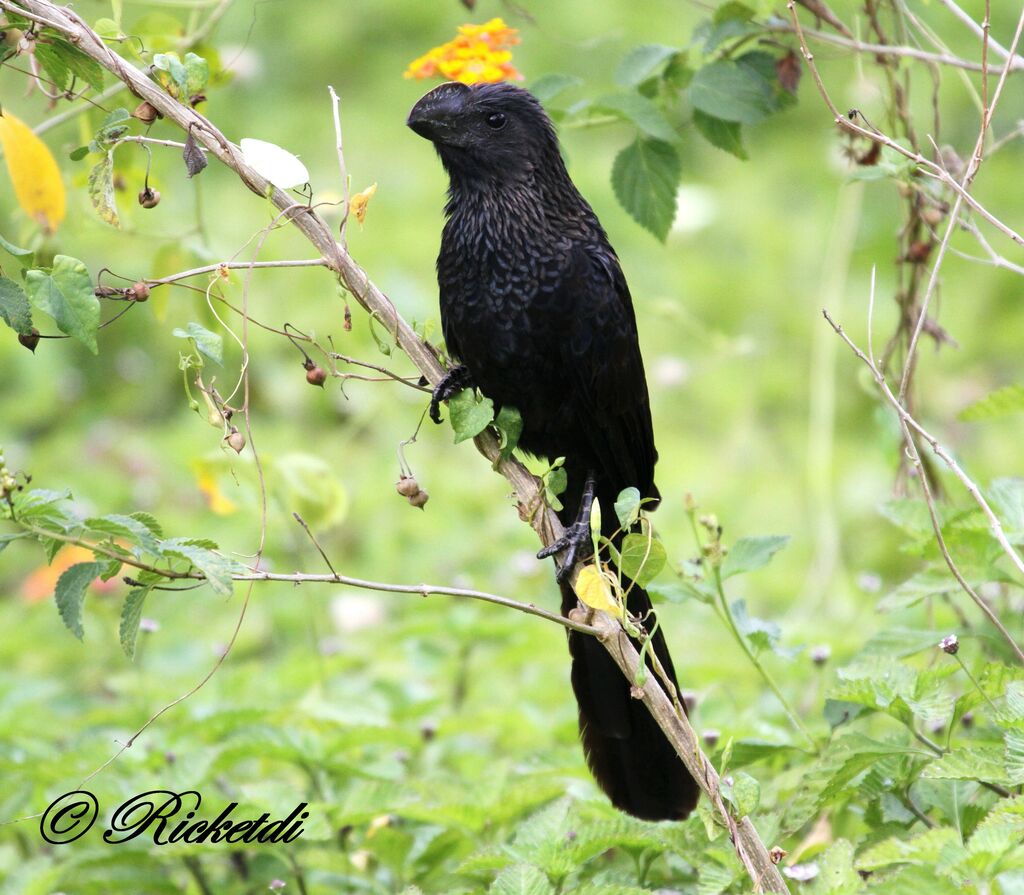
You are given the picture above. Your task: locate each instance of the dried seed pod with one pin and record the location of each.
(149, 198)
(139, 292)
(30, 339)
(146, 113)
(407, 486)
(419, 499)
(316, 375)
(235, 440)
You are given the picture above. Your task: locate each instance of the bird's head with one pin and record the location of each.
(497, 130)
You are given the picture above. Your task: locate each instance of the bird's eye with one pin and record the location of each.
(496, 120)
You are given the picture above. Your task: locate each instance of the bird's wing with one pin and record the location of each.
(602, 353)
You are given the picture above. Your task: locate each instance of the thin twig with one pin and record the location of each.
(234, 265)
(907, 423)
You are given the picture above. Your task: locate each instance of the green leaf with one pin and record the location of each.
(642, 63)
(150, 522)
(1007, 499)
(216, 568)
(627, 506)
(206, 342)
(645, 177)
(725, 135)
(6, 539)
(546, 88)
(470, 414)
(65, 293)
(744, 793)
(521, 879)
(43, 507)
(131, 615)
(197, 73)
(101, 191)
(126, 528)
(749, 554)
(71, 593)
(762, 635)
(642, 558)
(61, 59)
(639, 110)
(1009, 399)
(23, 255)
(731, 21)
(14, 307)
(984, 763)
(925, 848)
(171, 64)
(509, 423)
(732, 92)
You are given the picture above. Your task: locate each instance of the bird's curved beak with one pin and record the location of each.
(434, 116)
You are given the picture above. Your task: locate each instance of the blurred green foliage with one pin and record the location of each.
(434, 739)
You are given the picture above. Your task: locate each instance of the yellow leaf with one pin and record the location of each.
(34, 172)
(593, 589)
(358, 203)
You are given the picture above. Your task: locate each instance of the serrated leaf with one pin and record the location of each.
(40, 506)
(727, 135)
(1014, 756)
(645, 176)
(1003, 401)
(732, 92)
(14, 307)
(521, 879)
(101, 191)
(216, 568)
(71, 593)
(744, 793)
(61, 59)
(208, 343)
(641, 558)
(642, 63)
(1007, 499)
(66, 294)
(593, 590)
(983, 763)
(131, 615)
(762, 635)
(638, 109)
(279, 166)
(750, 554)
(150, 522)
(470, 414)
(627, 507)
(925, 848)
(127, 528)
(38, 186)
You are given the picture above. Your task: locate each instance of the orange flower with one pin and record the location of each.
(478, 54)
(41, 583)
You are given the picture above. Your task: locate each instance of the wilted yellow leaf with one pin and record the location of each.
(34, 172)
(593, 589)
(358, 203)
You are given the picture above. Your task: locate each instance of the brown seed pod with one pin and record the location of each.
(316, 375)
(149, 198)
(139, 292)
(30, 339)
(419, 499)
(407, 486)
(235, 440)
(146, 113)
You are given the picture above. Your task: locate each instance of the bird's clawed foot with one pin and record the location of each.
(576, 541)
(455, 380)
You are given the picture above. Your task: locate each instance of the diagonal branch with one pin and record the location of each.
(529, 493)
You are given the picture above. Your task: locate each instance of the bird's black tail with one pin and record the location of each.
(627, 752)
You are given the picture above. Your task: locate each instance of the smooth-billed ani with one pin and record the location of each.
(535, 308)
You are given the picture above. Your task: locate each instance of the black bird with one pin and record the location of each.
(535, 308)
